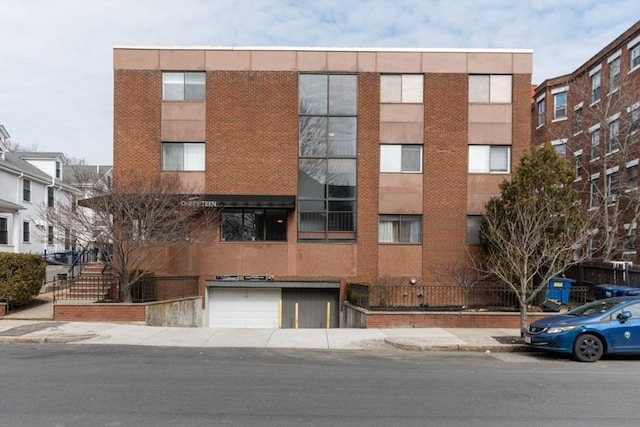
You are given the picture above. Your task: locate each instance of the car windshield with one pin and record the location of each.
(593, 308)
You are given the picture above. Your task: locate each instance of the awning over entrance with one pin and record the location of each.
(9, 207)
(250, 201)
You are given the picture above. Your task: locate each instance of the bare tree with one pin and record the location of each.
(604, 138)
(137, 225)
(536, 229)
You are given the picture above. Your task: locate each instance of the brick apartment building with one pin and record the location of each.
(331, 165)
(592, 117)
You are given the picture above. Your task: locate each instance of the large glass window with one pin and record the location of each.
(634, 56)
(492, 89)
(473, 229)
(400, 229)
(253, 225)
(577, 122)
(541, 111)
(595, 144)
(489, 158)
(632, 175)
(183, 86)
(50, 196)
(401, 88)
(327, 120)
(183, 156)
(401, 158)
(4, 231)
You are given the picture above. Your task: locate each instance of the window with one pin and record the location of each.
(401, 88)
(630, 238)
(50, 235)
(577, 122)
(69, 240)
(4, 231)
(26, 190)
(613, 183)
(490, 89)
(489, 158)
(473, 229)
(634, 54)
(253, 225)
(634, 118)
(327, 126)
(26, 233)
(58, 170)
(401, 158)
(400, 229)
(578, 165)
(595, 144)
(593, 191)
(595, 86)
(560, 105)
(560, 146)
(183, 156)
(614, 75)
(541, 111)
(632, 174)
(614, 132)
(183, 86)
(50, 196)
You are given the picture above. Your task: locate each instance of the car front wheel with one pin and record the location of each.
(588, 348)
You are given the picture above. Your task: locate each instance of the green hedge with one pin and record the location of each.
(21, 277)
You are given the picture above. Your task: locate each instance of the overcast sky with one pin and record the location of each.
(56, 60)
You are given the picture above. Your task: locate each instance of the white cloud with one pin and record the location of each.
(56, 78)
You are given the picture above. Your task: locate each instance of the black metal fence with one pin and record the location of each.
(441, 298)
(107, 288)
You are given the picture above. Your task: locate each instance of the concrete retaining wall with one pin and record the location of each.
(358, 317)
(181, 313)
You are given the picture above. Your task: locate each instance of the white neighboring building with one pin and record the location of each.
(28, 183)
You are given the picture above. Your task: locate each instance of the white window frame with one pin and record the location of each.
(577, 157)
(541, 107)
(560, 111)
(634, 54)
(614, 134)
(611, 190)
(594, 129)
(26, 232)
(578, 118)
(593, 190)
(631, 165)
(560, 143)
(480, 159)
(596, 72)
(615, 62)
(392, 158)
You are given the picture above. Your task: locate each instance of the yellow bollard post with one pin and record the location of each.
(280, 314)
(296, 317)
(328, 314)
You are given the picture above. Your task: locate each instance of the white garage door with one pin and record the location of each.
(243, 308)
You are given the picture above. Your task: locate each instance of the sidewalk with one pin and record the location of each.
(35, 325)
(416, 339)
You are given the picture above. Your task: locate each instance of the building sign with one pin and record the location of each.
(227, 278)
(200, 203)
(255, 278)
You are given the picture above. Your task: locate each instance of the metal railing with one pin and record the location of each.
(109, 288)
(441, 298)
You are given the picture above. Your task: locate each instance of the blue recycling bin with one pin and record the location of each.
(609, 291)
(559, 289)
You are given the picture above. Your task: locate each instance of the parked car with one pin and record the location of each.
(605, 326)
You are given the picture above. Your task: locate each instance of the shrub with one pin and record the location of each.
(21, 277)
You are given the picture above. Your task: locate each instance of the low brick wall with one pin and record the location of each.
(357, 317)
(95, 312)
(3, 309)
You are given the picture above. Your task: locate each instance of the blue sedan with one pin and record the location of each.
(607, 326)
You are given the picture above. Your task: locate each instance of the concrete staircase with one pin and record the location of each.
(93, 283)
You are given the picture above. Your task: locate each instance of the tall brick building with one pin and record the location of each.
(329, 165)
(592, 116)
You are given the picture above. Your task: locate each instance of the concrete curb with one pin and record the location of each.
(44, 340)
(413, 346)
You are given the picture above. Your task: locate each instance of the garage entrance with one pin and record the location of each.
(269, 305)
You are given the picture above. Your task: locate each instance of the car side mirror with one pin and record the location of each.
(624, 316)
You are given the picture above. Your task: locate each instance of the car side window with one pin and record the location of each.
(633, 308)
